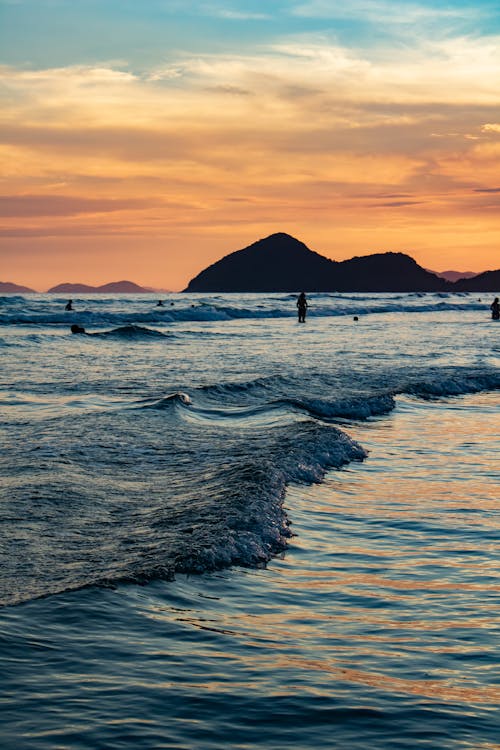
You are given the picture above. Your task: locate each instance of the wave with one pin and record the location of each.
(363, 397)
(457, 382)
(132, 332)
(349, 408)
(11, 299)
(190, 481)
(172, 500)
(320, 307)
(166, 402)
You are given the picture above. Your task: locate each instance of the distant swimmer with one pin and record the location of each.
(69, 305)
(77, 329)
(355, 317)
(302, 307)
(495, 309)
(160, 304)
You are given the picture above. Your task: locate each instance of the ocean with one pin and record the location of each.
(221, 528)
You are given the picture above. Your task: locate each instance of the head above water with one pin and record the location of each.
(77, 329)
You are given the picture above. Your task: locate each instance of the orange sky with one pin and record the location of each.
(111, 173)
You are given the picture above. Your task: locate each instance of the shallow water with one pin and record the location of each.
(374, 625)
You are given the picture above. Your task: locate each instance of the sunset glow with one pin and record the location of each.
(145, 141)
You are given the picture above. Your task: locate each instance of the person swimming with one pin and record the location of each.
(302, 307)
(160, 304)
(77, 329)
(69, 305)
(495, 309)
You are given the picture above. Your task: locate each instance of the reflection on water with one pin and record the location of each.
(377, 629)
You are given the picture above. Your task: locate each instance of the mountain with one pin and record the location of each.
(72, 289)
(281, 263)
(386, 272)
(454, 275)
(489, 281)
(277, 263)
(114, 287)
(7, 287)
(122, 287)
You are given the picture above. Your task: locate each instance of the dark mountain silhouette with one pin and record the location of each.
(277, 263)
(114, 287)
(7, 287)
(281, 263)
(489, 281)
(386, 272)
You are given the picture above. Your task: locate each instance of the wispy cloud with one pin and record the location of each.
(235, 14)
(384, 11)
(64, 205)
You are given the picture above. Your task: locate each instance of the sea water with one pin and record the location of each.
(224, 529)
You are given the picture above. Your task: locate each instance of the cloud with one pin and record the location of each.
(236, 15)
(63, 205)
(491, 127)
(398, 204)
(384, 11)
(303, 129)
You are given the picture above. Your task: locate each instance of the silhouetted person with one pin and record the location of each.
(160, 304)
(356, 318)
(302, 307)
(495, 309)
(69, 305)
(77, 329)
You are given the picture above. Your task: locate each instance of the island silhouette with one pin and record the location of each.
(281, 263)
(7, 287)
(114, 287)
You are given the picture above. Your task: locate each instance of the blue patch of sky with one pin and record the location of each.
(46, 33)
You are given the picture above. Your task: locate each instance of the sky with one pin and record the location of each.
(145, 140)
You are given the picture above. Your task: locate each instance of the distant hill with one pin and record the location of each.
(489, 281)
(281, 263)
(114, 287)
(454, 275)
(6, 287)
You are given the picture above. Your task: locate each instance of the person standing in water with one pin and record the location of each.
(302, 307)
(69, 305)
(495, 309)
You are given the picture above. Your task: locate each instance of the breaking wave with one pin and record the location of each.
(130, 311)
